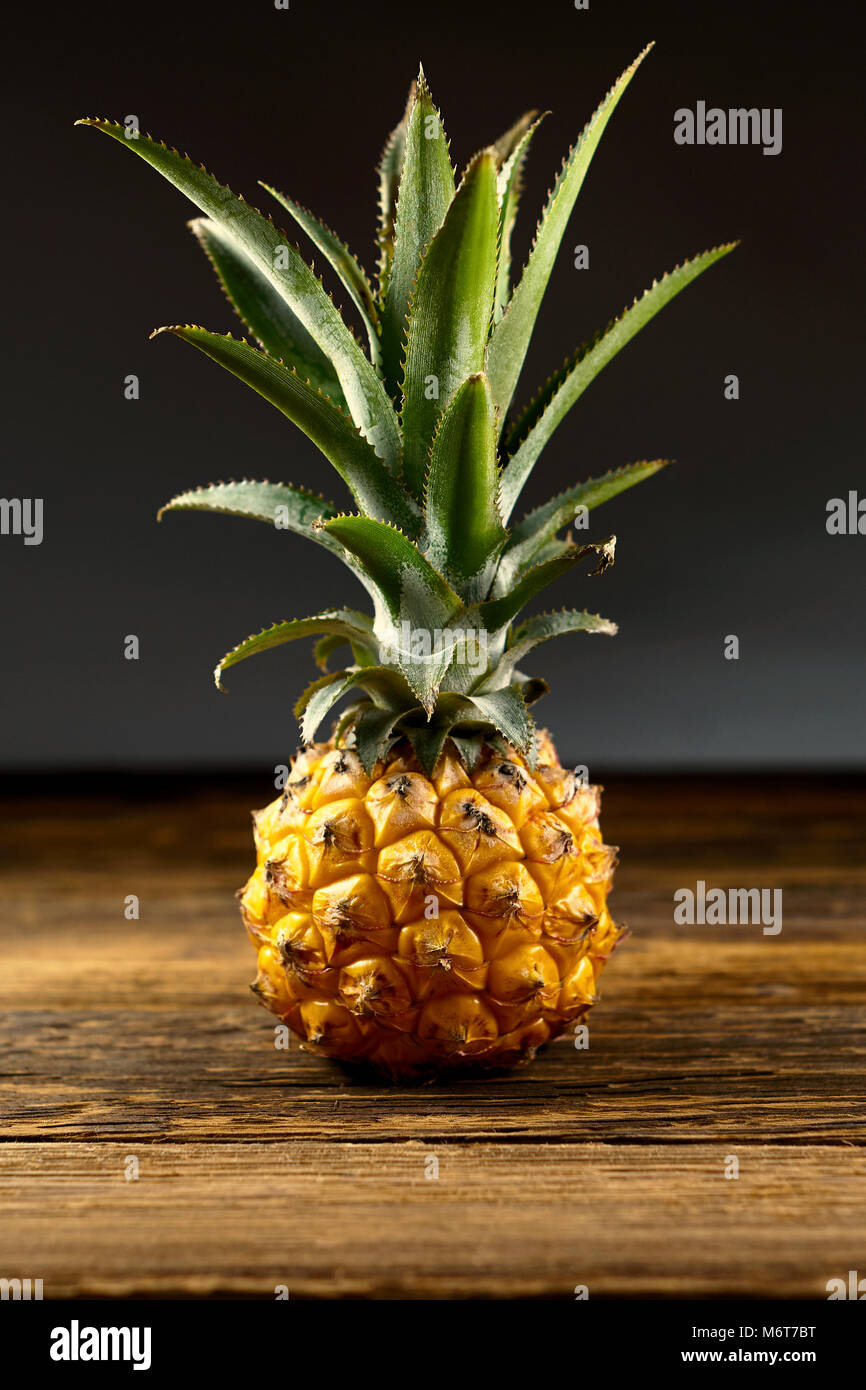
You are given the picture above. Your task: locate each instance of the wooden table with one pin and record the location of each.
(135, 1045)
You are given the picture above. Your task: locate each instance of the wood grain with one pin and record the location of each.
(350, 1219)
(603, 1167)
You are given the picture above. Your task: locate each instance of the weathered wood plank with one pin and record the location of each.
(758, 1074)
(500, 1220)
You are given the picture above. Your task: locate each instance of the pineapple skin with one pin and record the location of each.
(416, 924)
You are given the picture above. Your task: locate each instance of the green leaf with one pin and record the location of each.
(510, 338)
(509, 186)
(363, 653)
(347, 622)
(290, 276)
(325, 648)
(475, 717)
(532, 751)
(317, 699)
(464, 531)
(409, 586)
(497, 613)
(390, 165)
(450, 316)
(536, 630)
(529, 538)
(375, 490)
(532, 688)
(413, 601)
(427, 742)
(372, 730)
(346, 265)
(506, 145)
(264, 312)
(549, 551)
(426, 190)
(386, 687)
(347, 718)
(469, 747)
(519, 425)
(507, 712)
(503, 710)
(569, 385)
(278, 504)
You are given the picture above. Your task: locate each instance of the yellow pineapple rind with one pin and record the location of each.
(351, 870)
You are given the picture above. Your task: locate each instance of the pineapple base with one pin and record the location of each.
(415, 924)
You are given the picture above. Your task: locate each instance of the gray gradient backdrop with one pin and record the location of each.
(732, 540)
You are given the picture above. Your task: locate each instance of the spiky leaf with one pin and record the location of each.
(427, 742)
(372, 730)
(510, 338)
(265, 312)
(317, 699)
(588, 362)
(506, 711)
(348, 623)
(470, 748)
(412, 599)
(450, 316)
(509, 186)
(530, 634)
(277, 504)
(390, 164)
(502, 710)
(286, 270)
(495, 615)
(362, 654)
(464, 531)
(368, 479)
(325, 648)
(532, 688)
(386, 688)
(409, 585)
(425, 192)
(538, 527)
(506, 145)
(344, 723)
(346, 265)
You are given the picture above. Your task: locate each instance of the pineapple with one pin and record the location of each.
(431, 885)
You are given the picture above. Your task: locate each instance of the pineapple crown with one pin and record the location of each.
(419, 425)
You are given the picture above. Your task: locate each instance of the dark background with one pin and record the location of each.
(732, 540)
